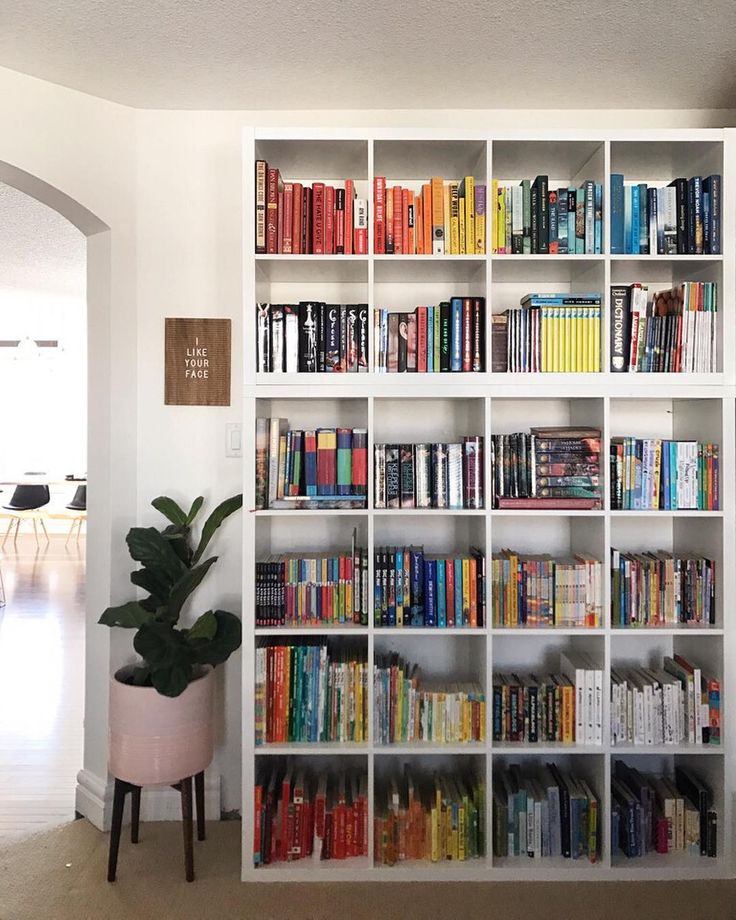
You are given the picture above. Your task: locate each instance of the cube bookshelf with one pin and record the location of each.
(417, 407)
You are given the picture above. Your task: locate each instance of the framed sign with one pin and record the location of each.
(197, 367)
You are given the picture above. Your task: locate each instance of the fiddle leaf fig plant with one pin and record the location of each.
(171, 569)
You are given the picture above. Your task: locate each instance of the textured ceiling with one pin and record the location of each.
(40, 251)
(220, 54)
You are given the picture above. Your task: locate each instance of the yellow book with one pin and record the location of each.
(596, 350)
(461, 228)
(466, 592)
(468, 187)
(491, 204)
(554, 339)
(573, 344)
(483, 721)
(454, 219)
(282, 467)
(461, 831)
(446, 212)
(568, 710)
(583, 341)
(500, 212)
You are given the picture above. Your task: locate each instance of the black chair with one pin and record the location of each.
(79, 506)
(26, 501)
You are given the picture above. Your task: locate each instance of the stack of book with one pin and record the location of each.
(310, 692)
(662, 589)
(446, 218)
(316, 219)
(317, 590)
(407, 709)
(566, 707)
(541, 591)
(532, 219)
(448, 338)
(652, 474)
(435, 817)
(429, 475)
(318, 468)
(675, 332)
(553, 333)
(660, 814)
(412, 588)
(683, 218)
(299, 814)
(312, 337)
(674, 704)
(555, 467)
(545, 813)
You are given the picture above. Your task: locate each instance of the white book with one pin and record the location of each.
(278, 425)
(291, 341)
(573, 667)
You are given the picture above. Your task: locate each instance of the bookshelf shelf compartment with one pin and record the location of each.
(422, 408)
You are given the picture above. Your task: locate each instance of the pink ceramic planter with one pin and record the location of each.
(157, 739)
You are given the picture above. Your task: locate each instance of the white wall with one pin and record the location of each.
(168, 184)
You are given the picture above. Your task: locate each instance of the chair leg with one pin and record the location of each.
(135, 813)
(69, 535)
(35, 531)
(199, 796)
(118, 803)
(7, 532)
(45, 532)
(188, 827)
(15, 535)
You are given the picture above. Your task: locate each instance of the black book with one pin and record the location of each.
(445, 336)
(681, 205)
(351, 338)
(542, 183)
(321, 366)
(406, 461)
(564, 808)
(712, 188)
(343, 336)
(332, 336)
(308, 337)
(534, 211)
(340, 206)
(620, 328)
(393, 482)
(362, 336)
(479, 334)
(403, 340)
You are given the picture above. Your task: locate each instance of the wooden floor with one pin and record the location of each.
(41, 683)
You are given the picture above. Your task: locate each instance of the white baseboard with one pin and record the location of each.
(158, 803)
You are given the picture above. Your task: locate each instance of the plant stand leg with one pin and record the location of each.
(199, 796)
(135, 813)
(188, 827)
(118, 803)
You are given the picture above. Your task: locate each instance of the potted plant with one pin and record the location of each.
(161, 727)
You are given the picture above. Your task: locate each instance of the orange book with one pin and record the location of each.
(438, 216)
(418, 225)
(412, 225)
(398, 219)
(405, 198)
(427, 218)
(390, 241)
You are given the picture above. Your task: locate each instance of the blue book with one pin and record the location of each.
(617, 214)
(456, 325)
(430, 340)
(627, 219)
(416, 572)
(643, 220)
(652, 215)
(634, 220)
(672, 445)
(665, 478)
(459, 613)
(441, 594)
(399, 569)
(562, 221)
(430, 592)
(598, 230)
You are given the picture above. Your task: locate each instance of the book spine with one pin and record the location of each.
(318, 218)
(261, 204)
(272, 211)
(438, 220)
(379, 214)
(617, 214)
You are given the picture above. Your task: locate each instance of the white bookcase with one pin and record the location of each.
(411, 407)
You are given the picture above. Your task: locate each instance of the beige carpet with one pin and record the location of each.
(60, 875)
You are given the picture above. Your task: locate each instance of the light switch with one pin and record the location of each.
(233, 439)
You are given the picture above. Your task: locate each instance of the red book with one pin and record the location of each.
(272, 210)
(411, 342)
(388, 221)
(379, 214)
(326, 461)
(307, 244)
(349, 220)
(450, 591)
(662, 833)
(340, 221)
(398, 219)
(467, 334)
(360, 461)
(329, 219)
(270, 685)
(257, 807)
(406, 243)
(288, 219)
(280, 225)
(478, 334)
(285, 799)
(296, 232)
(318, 218)
(421, 340)
(554, 504)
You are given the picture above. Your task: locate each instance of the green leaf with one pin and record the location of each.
(222, 511)
(172, 681)
(148, 580)
(185, 586)
(147, 546)
(169, 508)
(194, 510)
(127, 616)
(225, 641)
(204, 628)
(178, 537)
(168, 656)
